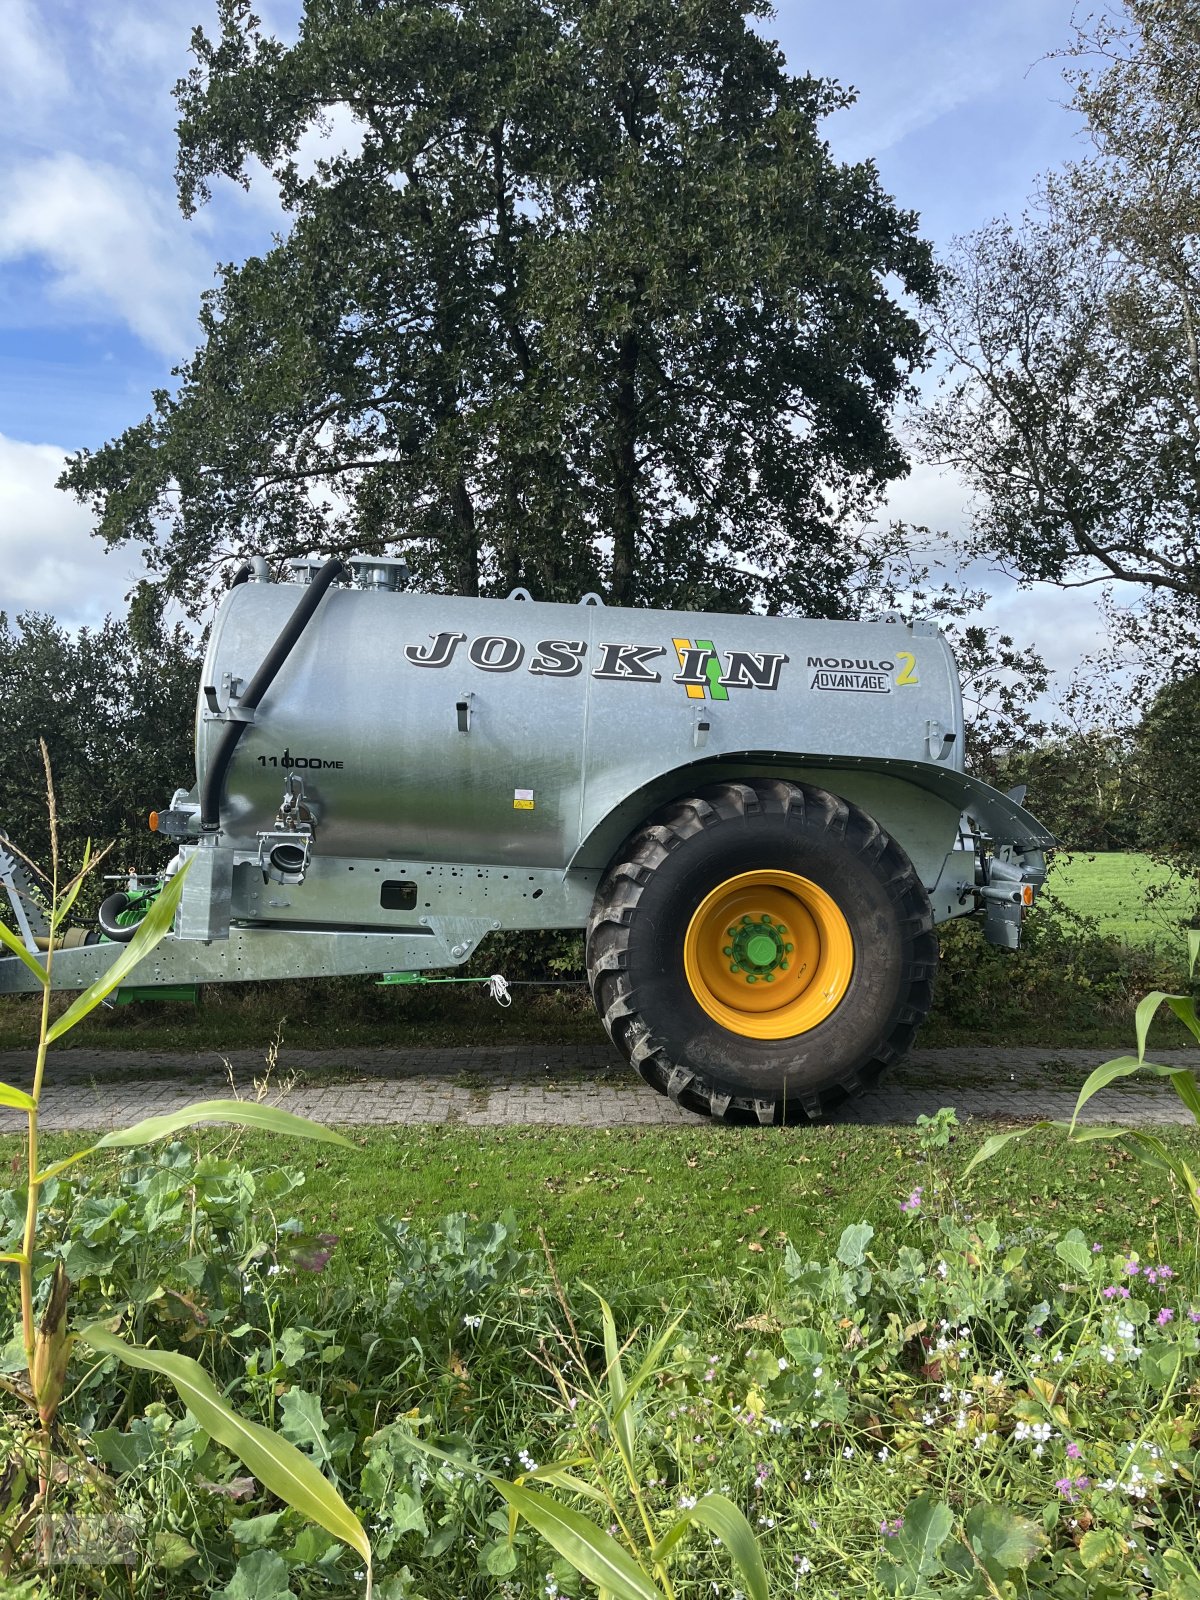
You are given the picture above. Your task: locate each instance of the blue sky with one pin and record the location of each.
(100, 275)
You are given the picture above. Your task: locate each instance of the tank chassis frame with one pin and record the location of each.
(467, 902)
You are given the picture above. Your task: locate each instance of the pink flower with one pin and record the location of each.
(1073, 1451)
(1164, 1316)
(1115, 1289)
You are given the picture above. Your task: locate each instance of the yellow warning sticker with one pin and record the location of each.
(522, 799)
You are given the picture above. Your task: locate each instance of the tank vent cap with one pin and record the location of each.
(379, 572)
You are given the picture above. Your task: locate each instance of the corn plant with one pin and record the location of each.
(1146, 1146)
(48, 1344)
(630, 1560)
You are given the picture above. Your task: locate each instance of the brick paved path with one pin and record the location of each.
(569, 1085)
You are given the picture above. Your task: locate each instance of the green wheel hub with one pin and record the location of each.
(758, 948)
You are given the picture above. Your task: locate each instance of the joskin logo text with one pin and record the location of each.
(702, 672)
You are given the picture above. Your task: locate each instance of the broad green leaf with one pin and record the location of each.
(16, 1098)
(280, 1468)
(244, 1113)
(9, 939)
(172, 1551)
(1193, 950)
(852, 1246)
(17, 1257)
(927, 1525)
(1099, 1546)
(262, 1575)
(498, 1558)
(1002, 1540)
(722, 1517)
(154, 925)
(302, 1423)
(1159, 1365)
(1075, 1251)
(594, 1554)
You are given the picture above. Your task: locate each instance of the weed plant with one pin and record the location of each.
(982, 1407)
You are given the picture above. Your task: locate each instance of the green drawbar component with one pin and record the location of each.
(181, 993)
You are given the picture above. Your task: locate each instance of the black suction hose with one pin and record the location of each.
(218, 765)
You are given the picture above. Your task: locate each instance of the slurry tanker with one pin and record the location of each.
(757, 821)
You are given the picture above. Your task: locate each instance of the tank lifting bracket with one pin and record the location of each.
(462, 707)
(227, 706)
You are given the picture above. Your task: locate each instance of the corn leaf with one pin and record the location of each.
(650, 1362)
(594, 1554)
(992, 1146)
(16, 1098)
(280, 1467)
(1182, 1080)
(9, 939)
(1184, 1008)
(1193, 950)
(559, 1474)
(722, 1517)
(1144, 1016)
(151, 929)
(620, 1418)
(242, 1113)
(62, 908)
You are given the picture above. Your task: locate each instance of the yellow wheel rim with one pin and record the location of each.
(768, 955)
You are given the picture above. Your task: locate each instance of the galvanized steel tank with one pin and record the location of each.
(486, 731)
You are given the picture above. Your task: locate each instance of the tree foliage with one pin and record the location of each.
(115, 705)
(585, 303)
(1073, 402)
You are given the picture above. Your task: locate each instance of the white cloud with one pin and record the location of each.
(49, 560)
(110, 245)
(34, 76)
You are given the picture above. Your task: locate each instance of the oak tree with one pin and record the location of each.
(585, 302)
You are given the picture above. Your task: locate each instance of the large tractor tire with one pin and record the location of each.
(761, 950)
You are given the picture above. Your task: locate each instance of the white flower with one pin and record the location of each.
(686, 1502)
(472, 1322)
(882, 1455)
(848, 1453)
(817, 1371)
(782, 1364)
(928, 1419)
(1108, 1353)
(945, 1394)
(804, 1565)
(942, 1269)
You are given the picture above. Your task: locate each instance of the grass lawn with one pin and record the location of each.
(1112, 887)
(659, 1206)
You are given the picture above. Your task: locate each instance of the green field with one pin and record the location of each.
(1129, 896)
